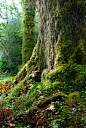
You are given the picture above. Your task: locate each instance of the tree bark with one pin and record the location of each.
(29, 33)
(61, 45)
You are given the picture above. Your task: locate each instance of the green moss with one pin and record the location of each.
(33, 108)
(79, 54)
(56, 86)
(71, 77)
(29, 33)
(71, 36)
(73, 98)
(46, 84)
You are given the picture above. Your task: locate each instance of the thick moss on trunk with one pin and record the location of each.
(29, 33)
(61, 42)
(62, 30)
(71, 43)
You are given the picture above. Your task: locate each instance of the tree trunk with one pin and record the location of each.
(29, 33)
(61, 46)
(62, 30)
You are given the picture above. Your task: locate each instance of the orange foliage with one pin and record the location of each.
(7, 111)
(4, 87)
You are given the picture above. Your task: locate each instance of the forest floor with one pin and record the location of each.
(35, 108)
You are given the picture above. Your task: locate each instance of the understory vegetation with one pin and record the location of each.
(32, 104)
(43, 69)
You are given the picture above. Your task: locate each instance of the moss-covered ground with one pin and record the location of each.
(57, 101)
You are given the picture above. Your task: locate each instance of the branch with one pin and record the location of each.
(6, 50)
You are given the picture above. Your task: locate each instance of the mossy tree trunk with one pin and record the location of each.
(62, 29)
(61, 45)
(29, 33)
(71, 26)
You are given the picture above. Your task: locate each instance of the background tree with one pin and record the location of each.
(29, 31)
(11, 38)
(13, 42)
(11, 20)
(36, 24)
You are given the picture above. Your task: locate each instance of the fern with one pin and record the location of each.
(33, 88)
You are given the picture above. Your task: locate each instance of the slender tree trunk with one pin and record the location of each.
(28, 34)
